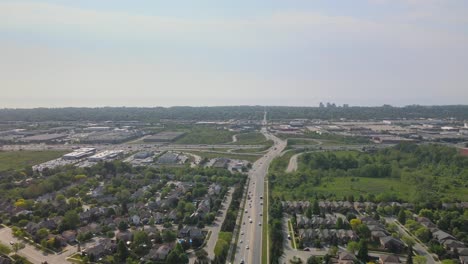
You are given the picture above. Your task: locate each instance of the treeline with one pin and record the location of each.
(275, 211)
(155, 114)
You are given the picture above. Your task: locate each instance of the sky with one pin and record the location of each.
(245, 52)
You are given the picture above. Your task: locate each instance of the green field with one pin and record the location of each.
(206, 135)
(212, 155)
(327, 139)
(16, 160)
(252, 138)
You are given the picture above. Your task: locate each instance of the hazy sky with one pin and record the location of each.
(243, 52)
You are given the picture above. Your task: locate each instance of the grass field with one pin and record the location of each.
(252, 138)
(16, 160)
(356, 186)
(211, 155)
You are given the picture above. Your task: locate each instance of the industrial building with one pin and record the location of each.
(79, 154)
(221, 163)
(111, 137)
(106, 155)
(143, 155)
(168, 158)
(43, 138)
(167, 136)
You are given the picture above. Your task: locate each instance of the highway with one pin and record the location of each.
(249, 247)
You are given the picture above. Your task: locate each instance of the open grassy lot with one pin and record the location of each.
(252, 138)
(205, 135)
(326, 139)
(211, 155)
(15, 160)
(340, 187)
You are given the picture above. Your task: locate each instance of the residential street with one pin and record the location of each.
(215, 228)
(34, 255)
(420, 249)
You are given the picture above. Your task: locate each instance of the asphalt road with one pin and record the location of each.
(34, 255)
(251, 233)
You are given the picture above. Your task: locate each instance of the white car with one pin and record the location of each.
(247, 247)
(241, 241)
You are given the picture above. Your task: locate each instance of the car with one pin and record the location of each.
(289, 237)
(242, 262)
(241, 241)
(259, 223)
(242, 232)
(261, 214)
(244, 223)
(250, 220)
(247, 247)
(245, 210)
(306, 249)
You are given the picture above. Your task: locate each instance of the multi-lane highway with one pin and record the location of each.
(249, 247)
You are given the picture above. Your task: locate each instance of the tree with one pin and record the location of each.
(409, 259)
(402, 217)
(355, 222)
(408, 240)
(177, 256)
(339, 223)
(122, 250)
(316, 208)
(71, 219)
(363, 231)
(202, 256)
(353, 247)
(42, 233)
(313, 260)
(308, 212)
(423, 233)
(168, 236)
(363, 251)
(333, 250)
(141, 242)
(123, 226)
(419, 259)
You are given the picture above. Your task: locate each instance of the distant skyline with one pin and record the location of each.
(88, 53)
